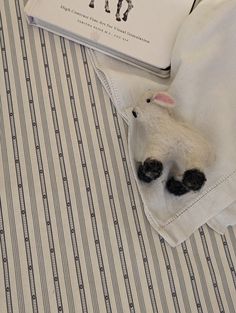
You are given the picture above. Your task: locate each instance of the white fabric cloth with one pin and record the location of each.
(203, 82)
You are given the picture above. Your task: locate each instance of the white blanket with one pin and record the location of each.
(203, 82)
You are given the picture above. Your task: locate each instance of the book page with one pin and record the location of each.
(143, 30)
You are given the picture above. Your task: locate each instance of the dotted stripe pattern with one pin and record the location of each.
(20, 186)
(192, 278)
(3, 246)
(170, 275)
(109, 186)
(63, 173)
(39, 161)
(229, 259)
(211, 269)
(86, 179)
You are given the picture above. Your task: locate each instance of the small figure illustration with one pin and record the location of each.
(91, 5)
(119, 6)
(125, 15)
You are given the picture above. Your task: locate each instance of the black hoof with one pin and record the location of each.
(124, 18)
(91, 5)
(108, 11)
(194, 179)
(176, 187)
(118, 19)
(142, 176)
(150, 170)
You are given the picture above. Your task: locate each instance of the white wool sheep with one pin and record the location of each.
(169, 139)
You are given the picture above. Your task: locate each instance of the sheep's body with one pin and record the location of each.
(173, 140)
(169, 139)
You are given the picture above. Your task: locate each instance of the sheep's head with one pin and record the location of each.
(153, 105)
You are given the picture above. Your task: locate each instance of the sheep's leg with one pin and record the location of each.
(130, 7)
(91, 4)
(150, 170)
(190, 178)
(194, 179)
(193, 175)
(176, 186)
(107, 9)
(152, 166)
(119, 5)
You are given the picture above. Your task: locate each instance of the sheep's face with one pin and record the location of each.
(153, 106)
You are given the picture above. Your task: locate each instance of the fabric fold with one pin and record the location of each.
(202, 81)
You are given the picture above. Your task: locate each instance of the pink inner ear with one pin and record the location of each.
(165, 98)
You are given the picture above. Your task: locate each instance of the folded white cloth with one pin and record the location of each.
(203, 82)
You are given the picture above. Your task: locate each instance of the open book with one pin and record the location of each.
(141, 33)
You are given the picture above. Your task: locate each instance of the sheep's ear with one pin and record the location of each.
(164, 99)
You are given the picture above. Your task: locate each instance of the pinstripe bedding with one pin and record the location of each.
(73, 234)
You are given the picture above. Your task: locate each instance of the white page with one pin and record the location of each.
(148, 34)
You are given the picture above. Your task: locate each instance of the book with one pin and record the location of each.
(141, 33)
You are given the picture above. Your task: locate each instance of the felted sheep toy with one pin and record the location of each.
(171, 140)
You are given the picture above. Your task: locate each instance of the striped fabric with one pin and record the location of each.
(73, 234)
